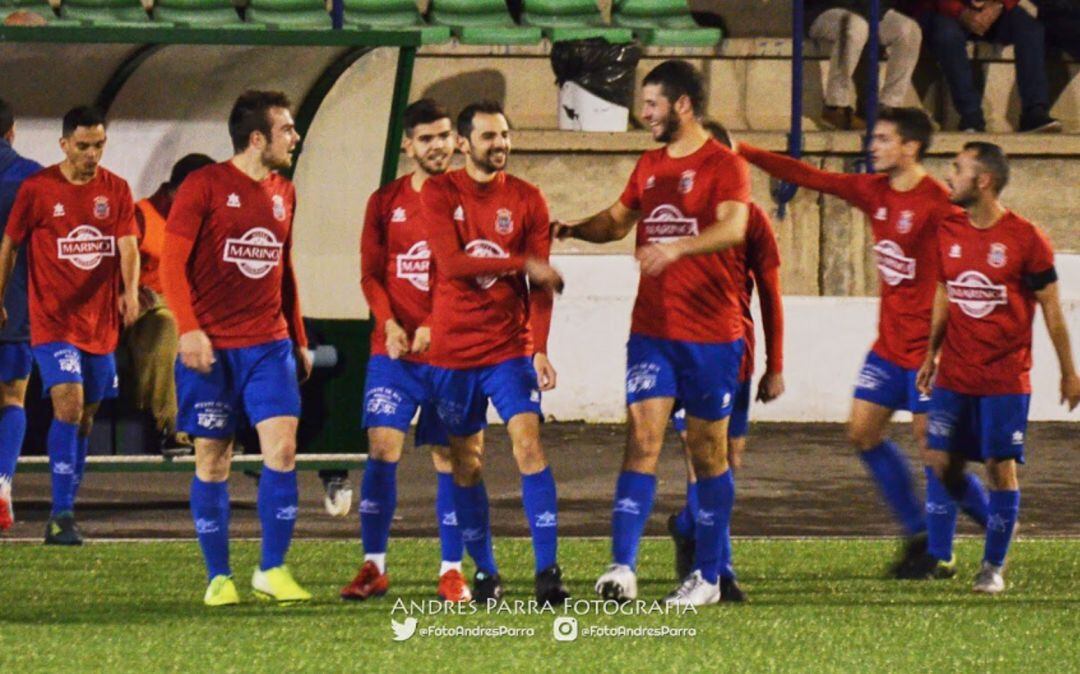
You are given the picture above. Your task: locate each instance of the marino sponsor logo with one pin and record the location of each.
(667, 223)
(255, 253)
(85, 247)
(485, 248)
(892, 264)
(975, 294)
(415, 266)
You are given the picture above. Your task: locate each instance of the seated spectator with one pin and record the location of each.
(842, 26)
(151, 343)
(949, 24)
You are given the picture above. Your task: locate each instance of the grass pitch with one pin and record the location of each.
(815, 605)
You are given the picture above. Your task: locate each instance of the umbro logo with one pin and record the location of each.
(233, 201)
(58, 210)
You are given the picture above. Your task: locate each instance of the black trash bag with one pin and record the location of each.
(603, 69)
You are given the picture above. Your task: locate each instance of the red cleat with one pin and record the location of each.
(7, 514)
(368, 583)
(453, 588)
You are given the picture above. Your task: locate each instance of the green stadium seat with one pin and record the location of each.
(564, 20)
(289, 14)
(666, 23)
(481, 22)
(392, 15)
(117, 13)
(199, 14)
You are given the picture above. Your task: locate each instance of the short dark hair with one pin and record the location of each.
(677, 79)
(912, 124)
(7, 117)
(992, 159)
(83, 115)
(186, 165)
(251, 112)
(423, 111)
(465, 117)
(717, 131)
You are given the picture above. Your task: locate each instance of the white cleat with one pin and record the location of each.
(619, 583)
(989, 579)
(339, 498)
(694, 591)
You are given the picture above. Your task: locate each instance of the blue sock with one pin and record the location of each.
(378, 500)
(63, 449)
(974, 500)
(725, 564)
(81, 449)
(473, 517)
(889, 468)
(716, 496)
(940, 518)
(1004, 508)
(634, 493)
(12, 432)
(449, 532)
(210, 512)
(542, 511)
(277, 505)
(684, 521)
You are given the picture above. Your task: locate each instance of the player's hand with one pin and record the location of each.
(129, 307)
(397, 340)
(303, 364)
(924, 380)
(1070, 390)
(421, 340)
(560, 230)
(196, 352)
(770, 387)
(545, 372)
(656, 257)
(542, 274)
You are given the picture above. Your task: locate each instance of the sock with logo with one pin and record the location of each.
(12, 432)
(63, 449)
(277, 505)
(634, 494)
(378, 500)
(1004, 509)
(81, 449)
(542, 510)
(889, 468)
(474, 518)
(973, 499)
(940, 518)
(684, 521)
(210, 512)
(725, 564)
(716, 497)
(449, 531)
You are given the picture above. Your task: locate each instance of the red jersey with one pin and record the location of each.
(483, 311)
(760, 260)
(74, 261)
(395, 262)
(905, 227)
(696, 299)
(226, 267)
(987, 348)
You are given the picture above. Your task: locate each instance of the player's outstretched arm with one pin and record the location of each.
(844, 185)
(1050, 302)
(8, 252)
(939, 317)
(129, 272)
(612, 224)
(728, 231)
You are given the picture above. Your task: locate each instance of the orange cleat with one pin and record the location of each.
(453, 588)
(7, 517)
(368, 583)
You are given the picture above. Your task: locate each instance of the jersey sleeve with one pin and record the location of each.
(763, 259)
(446, 248)
(290, 296)
(850, 187)
(174, 282)
(541, 300)
(373, 262)
(190, 208)
(631, 195)
(21, 218)
(1039, 256)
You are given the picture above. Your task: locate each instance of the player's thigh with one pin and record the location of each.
(708, 442)
(100, 380)
(512, 388)
(441, 459)
(13, 392)
(460, 403)
(867, 424)
(213, 458)
(646, 423)
(392, 394)
(952, 435)
(385, 443)
(466, 457)
(1002, 427)
(881, 388)
(16, 362)
(61, 368)
(650, 372)
(266, 375)
(524, 429)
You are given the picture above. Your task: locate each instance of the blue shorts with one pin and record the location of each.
(393, 391)
(885, 383)
(461, 396)
(978, 427)
(705, 377)
(63, 363)
(739, 425)
(16, 361)
(258, 381)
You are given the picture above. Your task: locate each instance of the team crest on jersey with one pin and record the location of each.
(504, 221)
(101, 207)
(667, 223)
(996, 258)
(279, 207)
(975, 294)
(415, 266)
(905, 222)
(459, 214)
(398, 215)
(85, 247)
(686, 182)
(650, 182)
(892, 264)
(485, 248)
(255, 253)
(58, 210)
(882, 213)
(954, 251)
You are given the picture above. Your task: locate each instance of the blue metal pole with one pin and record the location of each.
(337, 14)
(785, 192)
(873, 47)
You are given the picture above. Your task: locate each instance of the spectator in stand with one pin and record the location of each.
(843, 26)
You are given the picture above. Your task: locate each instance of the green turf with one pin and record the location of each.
(816, 605)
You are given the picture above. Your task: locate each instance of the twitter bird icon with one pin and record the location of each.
(403, 631)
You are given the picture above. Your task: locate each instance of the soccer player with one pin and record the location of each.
(77, 220)
(227, 273)
(906, 207)
(16, 358)
(995, 267)
(690, 200)
(395, 263)
(490, 240)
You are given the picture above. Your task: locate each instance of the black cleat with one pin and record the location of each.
(684, 550)
(487, 587)
(61, 530)
(730, 591)
(911, 560)
(550, 590)
(928, 567)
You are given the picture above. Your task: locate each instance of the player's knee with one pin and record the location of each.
(383, 450)
(440, 457)
(708, 465)
(645, 441)
(467, 469)
(68, 410)
(280, 454)
(529, 454)
(863, 438)
(940, 463)
(1002, 475)
(212, 463)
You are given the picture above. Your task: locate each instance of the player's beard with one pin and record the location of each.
(277, 163)
(670, 128)
(485, 163)
(434, 165)
(964, 199)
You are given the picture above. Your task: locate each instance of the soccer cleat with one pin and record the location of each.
(487, 587)
(989, 579)
(453, 588)
(221, 592)
(369, 582)
(550, 590)
(339, 497)
(928, 567)
(277, 584)
(730, 591)
(61, 530)
(619, 583)
(7, 511)
(684, 549)
(914, 550)
(694, 591)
